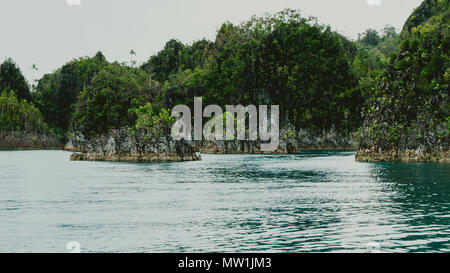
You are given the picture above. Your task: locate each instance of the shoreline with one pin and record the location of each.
(283, 153)
(13, 141)
(33, 149)
(406, 156)
(362, 155)
(204, 152)
(134, 158)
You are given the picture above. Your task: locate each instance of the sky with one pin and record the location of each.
(49, 33)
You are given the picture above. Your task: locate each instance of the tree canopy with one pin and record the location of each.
(19, 115)
(11, 78)
(320, 79)
(410, 106)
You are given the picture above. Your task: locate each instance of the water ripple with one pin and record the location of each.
(317, 201)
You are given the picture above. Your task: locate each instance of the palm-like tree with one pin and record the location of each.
(132, 53)
(34, 67)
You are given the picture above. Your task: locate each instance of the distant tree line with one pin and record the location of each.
(321, 79)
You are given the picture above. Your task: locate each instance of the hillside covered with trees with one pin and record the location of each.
(408, 117)
(21, 123)
(284, 59)
(390, 87)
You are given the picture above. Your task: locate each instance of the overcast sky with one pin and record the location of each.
(50, 33)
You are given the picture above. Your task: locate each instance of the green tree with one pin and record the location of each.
(154, 120)
(176, 57)
(19, 115)
(11, 78)
(56, 94)
(166, 62)
(370, 37)
(108, 102)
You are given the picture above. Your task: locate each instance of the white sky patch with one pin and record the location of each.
(73, 2)
(374, 2)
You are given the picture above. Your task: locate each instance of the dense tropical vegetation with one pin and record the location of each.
(17, 111)
(409, 108)
(11, 78)
(19, 115)
(283, 59)
(322, 81)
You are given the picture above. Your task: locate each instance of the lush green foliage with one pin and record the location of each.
(154, 120)
(19, 115)
(410, 108)
(370, 38)
(57, 93)
(175, 57)
(11, 78)
(371, 58)
(320, 79)
(17, 111)
(92, 96)
(283, 59)
(104, 104)
(426, 10)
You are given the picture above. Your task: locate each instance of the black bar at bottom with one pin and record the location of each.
(219, 262)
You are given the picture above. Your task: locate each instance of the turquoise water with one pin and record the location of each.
(311, 202)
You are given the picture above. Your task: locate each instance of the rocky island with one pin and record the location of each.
(384, 94)
(408, 118)
(121, 145)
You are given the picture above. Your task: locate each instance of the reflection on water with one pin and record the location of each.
(317, 201)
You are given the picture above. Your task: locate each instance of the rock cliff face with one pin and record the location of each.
(76, 143)
(121, 145)
(23, 141)
(289, 143)
(405, 155)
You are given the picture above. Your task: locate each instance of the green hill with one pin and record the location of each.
(408, 116)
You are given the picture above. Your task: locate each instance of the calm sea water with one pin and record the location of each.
(311, 202)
